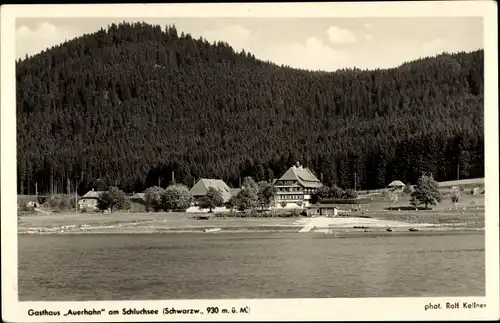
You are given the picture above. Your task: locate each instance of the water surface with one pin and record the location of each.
(247, 265)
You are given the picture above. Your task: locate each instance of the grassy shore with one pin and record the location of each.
(374, 220)
(141, 222)
(376, 216)
(469, 212)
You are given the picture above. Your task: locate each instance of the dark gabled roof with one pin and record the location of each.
(303, 175)
(93, 194)
(396, 184)
(139, 196)
(201, 188)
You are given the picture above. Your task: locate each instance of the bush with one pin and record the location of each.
(336, 192)
(112, 199)
(64, 204)
(350, 194)
(52, 202)
(455, 198)
(125, 205)
(25, 207)
(153, 197)
(283, 204)
(408, 189)
(176, 198)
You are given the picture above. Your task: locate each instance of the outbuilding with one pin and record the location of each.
(329, 210)
(138, 203)
(397, 185)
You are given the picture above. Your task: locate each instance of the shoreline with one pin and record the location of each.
(168, 223)
(262, 229)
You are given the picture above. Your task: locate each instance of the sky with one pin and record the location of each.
(324, 44)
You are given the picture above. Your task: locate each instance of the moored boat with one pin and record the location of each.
(212, 230)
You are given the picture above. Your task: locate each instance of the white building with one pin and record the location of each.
(89, 200)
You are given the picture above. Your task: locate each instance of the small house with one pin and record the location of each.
(138, 203)
(396, 185)
(89, 200)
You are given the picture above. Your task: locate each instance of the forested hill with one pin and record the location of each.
(133, 102)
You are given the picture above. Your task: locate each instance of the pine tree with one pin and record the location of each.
(426, 192)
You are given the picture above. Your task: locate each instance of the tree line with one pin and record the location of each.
(253, 197)
(132, 103)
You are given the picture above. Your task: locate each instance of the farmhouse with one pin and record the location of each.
(89, 200)
(138, 203)
(295, 187)
(200, 189)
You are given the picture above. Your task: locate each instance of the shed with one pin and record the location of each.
(138, 203)
(397, 184)
(323, 210)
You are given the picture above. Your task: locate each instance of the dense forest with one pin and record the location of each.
(129, 104)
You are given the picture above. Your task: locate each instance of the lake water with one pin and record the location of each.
(247, 265)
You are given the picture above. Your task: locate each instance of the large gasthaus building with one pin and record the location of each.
(295, 187)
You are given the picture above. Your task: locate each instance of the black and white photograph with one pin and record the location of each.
(181, 162)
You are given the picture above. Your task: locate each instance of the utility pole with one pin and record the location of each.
(355, 182)
(76, 191)
(458, 171)
(173, 177)
(76, 196)
(159, 180)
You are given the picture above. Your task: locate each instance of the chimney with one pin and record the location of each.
(173, 177)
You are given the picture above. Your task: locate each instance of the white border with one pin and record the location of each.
(274, 309)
